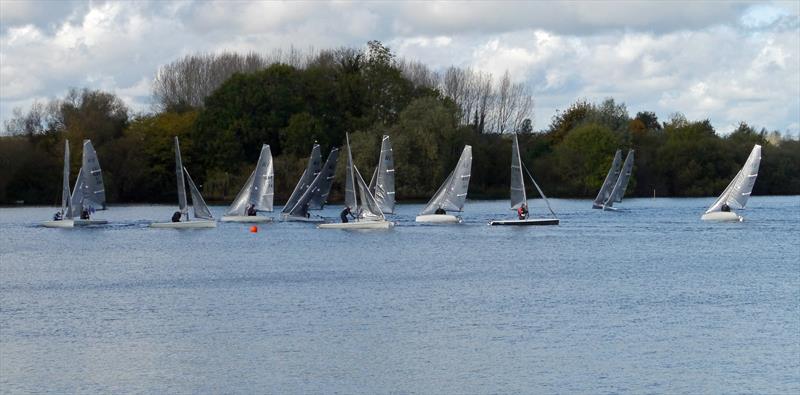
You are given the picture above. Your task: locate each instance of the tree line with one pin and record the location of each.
(224, 106)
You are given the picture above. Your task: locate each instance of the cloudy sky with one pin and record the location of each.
(726, 61)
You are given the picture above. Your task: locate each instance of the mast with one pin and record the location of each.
(66, 208)
(350, 199)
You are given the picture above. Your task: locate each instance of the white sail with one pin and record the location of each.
(312, 169)
(452, 194)
(258, 191)
(350, 199)
(66, 206)
(622, 181)
(182, 203)
(370, 210)
(738, 191)
(76, 199)
(383, 185)
(199, 205)
(518, 196)
(610, 181)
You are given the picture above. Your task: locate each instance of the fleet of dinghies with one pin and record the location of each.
(366, 205)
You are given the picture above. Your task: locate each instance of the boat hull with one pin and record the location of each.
(73, 223)
(525, 222)
(722, 216)
(289, 218)
(358, 225)
(438, 219)
(184, 225)
(246, 218)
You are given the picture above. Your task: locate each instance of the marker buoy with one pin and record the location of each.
(254, 229)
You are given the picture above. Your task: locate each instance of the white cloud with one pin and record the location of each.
(723, 60)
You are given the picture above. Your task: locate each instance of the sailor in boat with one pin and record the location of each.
(345, 213)
(85, 214)
(251, 210)
(725, 208)
(58, 216)
(522, 211)
(440, 211)
(176, 216)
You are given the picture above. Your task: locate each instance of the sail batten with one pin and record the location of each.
(740, 188)
(452, 194)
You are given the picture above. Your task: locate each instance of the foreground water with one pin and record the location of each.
(649, 299)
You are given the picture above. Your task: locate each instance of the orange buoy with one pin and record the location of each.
(254, 229)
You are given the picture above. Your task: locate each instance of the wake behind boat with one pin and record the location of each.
(451, 195)
(519, 199)
(199, 205)
(88, 195)
(737, 192)
(256, 195)
(366, 216)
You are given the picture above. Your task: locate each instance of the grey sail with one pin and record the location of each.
(313, 168)
(93, 188)
(622, 181)
(239, 205)
(76, 199)
(383, 186)
(182, 204)
(738, 191)
(452, 194)
(350, 180)
(317, 193)
(258, 191)
(199, 205)
(321, 187)
(518, 196)
(66, 209)
(611, 179)
(370, 210)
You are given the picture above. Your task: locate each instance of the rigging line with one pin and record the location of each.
(539, 189)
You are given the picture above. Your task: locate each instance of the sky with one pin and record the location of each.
(723, 61)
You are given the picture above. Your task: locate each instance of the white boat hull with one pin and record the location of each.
(289, 218)
(525, 222)
(184, 225)
(246, 218)
(722, 216)
(73, 223)
(439, 219)
(358, 225)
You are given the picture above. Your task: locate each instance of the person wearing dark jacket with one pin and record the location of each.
(522, 211)
(440, 211)
(176, 217)
(251, 210)
(344, 214)
(725, 208)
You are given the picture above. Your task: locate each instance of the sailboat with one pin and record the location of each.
(738, 191)
(257, 193)
(382, 183)
(612, 192)
(316, 194)
(608, 183)
(518, 196)
(452, 195)
(317, 181)
(88, 195)
(201, 211)
(368, 214)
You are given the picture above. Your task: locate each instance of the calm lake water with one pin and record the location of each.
(648, 300)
